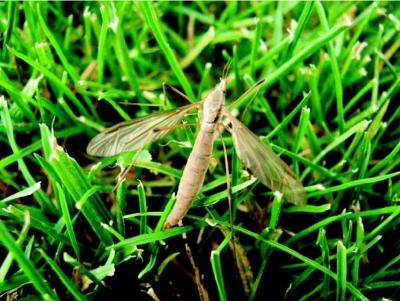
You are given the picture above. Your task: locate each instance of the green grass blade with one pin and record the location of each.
(64, 278)
(67, 219)
(156, 28)
(29, 269)
(341, 272)
(217, 268)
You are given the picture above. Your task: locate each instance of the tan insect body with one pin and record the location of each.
(199, 159)
(257, 156)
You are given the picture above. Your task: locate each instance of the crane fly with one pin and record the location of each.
(257, 156)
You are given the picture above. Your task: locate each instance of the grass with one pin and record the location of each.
(328, 107)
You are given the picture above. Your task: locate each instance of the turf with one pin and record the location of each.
(329, 106)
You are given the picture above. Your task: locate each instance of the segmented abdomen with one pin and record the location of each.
(193, 174)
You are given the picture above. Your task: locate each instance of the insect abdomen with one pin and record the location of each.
(193, 176)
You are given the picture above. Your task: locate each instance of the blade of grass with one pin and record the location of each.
(302, 258)
(155, 25)
(42, 198)
(254, 46)
(335, 68)
(69, 285)
(120, 48)
(67, 219)
(8, 260)
(68, 67)
(341, 272)
(29, 269)
(142, 207)
(217, 268)
(77, 185)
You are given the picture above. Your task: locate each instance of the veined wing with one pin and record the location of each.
(134, 134)
(261, 160)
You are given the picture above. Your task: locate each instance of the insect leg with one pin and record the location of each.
(248, 91)
(203, 293)
(123, 173)
(176, 91)
(228, 183)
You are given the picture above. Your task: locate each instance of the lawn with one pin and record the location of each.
(75, 226)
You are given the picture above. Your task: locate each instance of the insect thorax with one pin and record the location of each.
(213, 104)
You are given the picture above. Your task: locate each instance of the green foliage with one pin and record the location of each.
(328, 105)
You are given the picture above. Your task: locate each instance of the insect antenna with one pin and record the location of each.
(226, 69)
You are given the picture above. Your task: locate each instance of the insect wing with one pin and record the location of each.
(134, 134)
(260, 159)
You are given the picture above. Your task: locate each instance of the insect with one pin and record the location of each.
(257, 156)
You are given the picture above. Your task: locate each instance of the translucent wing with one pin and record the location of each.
(260, 159)
(134, 134)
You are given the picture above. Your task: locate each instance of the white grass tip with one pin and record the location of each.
(278, 195)
(211, 32)
(3, 101)
(134, 53)
(113, 25)
(41, 44)
(357, 49)
(292, 29)
(86, 12)
(363, 72)
(210, 222)
(365, 124)
(263, 46)
(348, 21)
(367, 58)
(95, 166)
(149, 95)
(375, 107)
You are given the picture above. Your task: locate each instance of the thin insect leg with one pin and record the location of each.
(146, 104)
(164, 85)
(248, 91)
(141, 104)
(176, 91)
(242, 262)
(177, 126)
(249, 103)
(228, 114)
(220, 128)
(203, 294)
(125, 172)
(228, 192)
